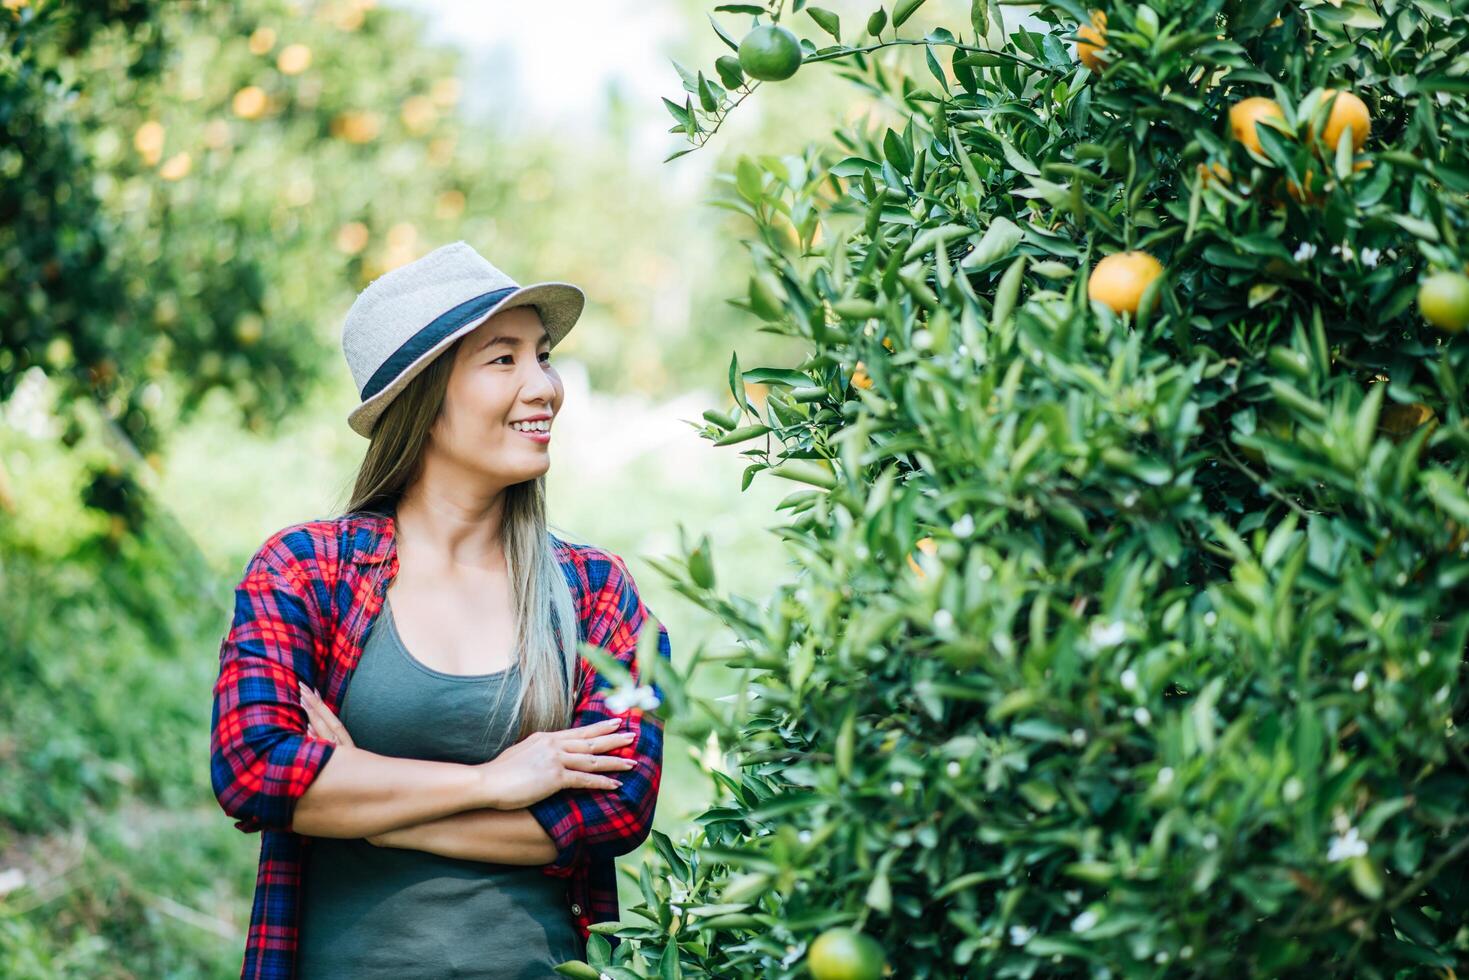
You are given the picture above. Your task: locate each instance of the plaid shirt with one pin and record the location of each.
(302, 611)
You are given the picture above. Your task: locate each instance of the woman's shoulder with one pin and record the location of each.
(596, 567)
(315, 546)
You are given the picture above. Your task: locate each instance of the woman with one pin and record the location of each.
(458, 813)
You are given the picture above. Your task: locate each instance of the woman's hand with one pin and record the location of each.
(322, 722)
(545, 762)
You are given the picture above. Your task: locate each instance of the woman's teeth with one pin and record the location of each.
(544, 425)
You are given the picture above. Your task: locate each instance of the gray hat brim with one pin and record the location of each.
(559, 304)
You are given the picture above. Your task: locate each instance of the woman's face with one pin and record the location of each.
(502, 374)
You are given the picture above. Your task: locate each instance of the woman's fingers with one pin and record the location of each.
(601, 763)
(603, 743)
(322, 718)
(596, 727)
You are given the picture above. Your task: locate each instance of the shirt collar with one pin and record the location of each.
(373, 541)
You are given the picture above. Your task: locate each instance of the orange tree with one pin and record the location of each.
(177, 231)
(1127, 636)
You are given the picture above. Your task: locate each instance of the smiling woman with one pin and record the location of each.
(477, 773)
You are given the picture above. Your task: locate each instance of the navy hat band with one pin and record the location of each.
(430, 336)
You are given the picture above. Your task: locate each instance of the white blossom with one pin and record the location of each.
(943, 620)
(984, 572)
(1165, 776)
(1128, 679)
(622, 699)
(922, 339)
(963, 527)
(1292, 789)
(1210, 841)
(793, 953)
(804, 837)
(1143, 716)
(1210, 618)
(1304, 252)
(1078, 736)
(1348, 845)
(895, 787)
(1073, 896)
(1106, 634)
(1359, 681)
(1345, 251)
(953, 768)
(1370, 256)
(1084, 921)
(1020, 935)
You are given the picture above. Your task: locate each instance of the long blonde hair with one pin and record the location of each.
(545, 611)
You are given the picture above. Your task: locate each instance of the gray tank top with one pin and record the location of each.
(383, 912)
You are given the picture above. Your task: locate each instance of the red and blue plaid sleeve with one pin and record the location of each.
(605, 823)
(261, 759)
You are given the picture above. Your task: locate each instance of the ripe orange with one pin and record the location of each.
(926, 545)
(1347, 110)
(1211, 172)
(1308, 196)
(860, 377)
(1443, 299)
(1119, 280)
(1246, 114)
(1095, 36)
(845, 954)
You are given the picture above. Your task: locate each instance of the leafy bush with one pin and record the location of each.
(1128, 635)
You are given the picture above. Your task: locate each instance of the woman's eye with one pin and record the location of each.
(545, 357)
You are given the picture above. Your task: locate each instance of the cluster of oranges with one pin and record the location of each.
(1348, 114)
(1120, 280)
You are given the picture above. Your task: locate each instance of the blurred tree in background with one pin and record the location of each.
(1130, 441)
(193, 193)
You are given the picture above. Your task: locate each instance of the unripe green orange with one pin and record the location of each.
(770, 53)
(845, 954)
(1443, 299)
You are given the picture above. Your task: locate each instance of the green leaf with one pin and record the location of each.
(896, 152)
(997, 242)
(741, 434)
(1365, 876)
(1365, 429)
(1018, 160)
(904, 9)
(676, 111)
(1007, 293)
(828, 21)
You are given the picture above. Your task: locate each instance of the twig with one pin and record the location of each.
(1235, 461)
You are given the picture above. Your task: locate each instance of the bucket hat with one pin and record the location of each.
(404, 318)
